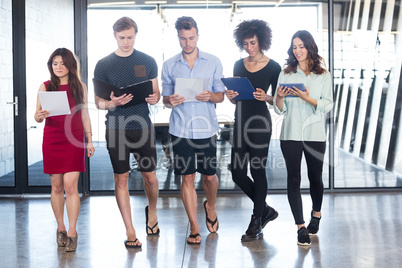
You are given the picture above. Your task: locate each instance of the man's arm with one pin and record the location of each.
(210, 96)
(217, 97)
(155, 97)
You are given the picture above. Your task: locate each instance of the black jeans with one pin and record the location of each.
(314, 154)
(251, 149)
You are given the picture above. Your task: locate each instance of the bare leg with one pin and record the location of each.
(72, 201)
(57, 200)
(210, 185)
(189, 197)
(123, 202)
(317, 214)
(300, 226)
(152, 191)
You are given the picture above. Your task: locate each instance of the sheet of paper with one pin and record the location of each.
(56, 102)
(190, 87)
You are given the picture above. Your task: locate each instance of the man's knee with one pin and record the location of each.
(121, 180)
(150, 178)
(209, 178)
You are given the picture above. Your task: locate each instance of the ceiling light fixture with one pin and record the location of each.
(279, 3)
(199, 2)
(112, 4)
(254, 2)
(155, 2)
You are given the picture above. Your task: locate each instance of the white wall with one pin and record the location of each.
(6, 90)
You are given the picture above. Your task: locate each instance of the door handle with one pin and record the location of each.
(15, 103)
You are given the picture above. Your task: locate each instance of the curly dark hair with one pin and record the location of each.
(315, 61)
(251, 28)
(185, 23)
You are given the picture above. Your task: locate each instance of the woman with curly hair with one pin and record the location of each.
(253, 126)
(63, 142)
(303, 127)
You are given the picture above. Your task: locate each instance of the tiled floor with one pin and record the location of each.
(357, 230)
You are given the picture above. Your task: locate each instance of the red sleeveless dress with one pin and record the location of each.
(63, 144)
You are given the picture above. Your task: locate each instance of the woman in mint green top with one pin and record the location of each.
(303, 127)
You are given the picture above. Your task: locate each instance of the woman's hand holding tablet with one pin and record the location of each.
(287, 86)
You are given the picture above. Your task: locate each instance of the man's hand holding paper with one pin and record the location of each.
(204, 96)
(176, 99)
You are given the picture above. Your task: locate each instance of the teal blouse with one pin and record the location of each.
(302, 121)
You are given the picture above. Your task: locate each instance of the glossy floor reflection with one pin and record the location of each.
(351, 172)
(357, 230)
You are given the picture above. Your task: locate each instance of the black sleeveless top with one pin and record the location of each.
(264, 78)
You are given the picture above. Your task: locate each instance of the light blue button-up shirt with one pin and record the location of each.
(193, 120)
(302, 121)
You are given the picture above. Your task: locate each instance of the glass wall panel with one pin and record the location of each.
(49, 25)
(7, 176)
(304, 15)
(158, 38)
(367, 83)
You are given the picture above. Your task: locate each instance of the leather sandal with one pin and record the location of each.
(61, 238)
(72, 243)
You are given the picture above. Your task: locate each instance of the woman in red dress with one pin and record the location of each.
(63, 142)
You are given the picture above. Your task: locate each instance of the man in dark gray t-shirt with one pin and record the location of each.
(129, 128)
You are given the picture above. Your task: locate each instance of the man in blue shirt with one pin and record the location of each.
(193, 125)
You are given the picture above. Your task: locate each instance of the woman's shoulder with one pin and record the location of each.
(324, 75)
(274, 63)
(44, 85)
(84, 86)
(239, 64)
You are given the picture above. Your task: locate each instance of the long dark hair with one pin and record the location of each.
(74, 77)
(314, 61)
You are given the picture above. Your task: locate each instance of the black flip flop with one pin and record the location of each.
(126, 243)
(193, 236)
(148, 227)
(208, 220)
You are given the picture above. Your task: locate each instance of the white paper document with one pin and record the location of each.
(56, 102)
(190, 87)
